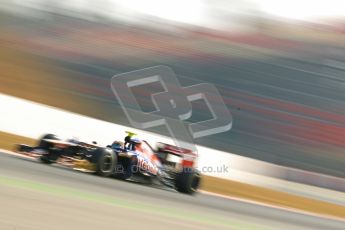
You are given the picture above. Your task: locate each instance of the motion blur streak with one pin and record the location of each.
(279, 66)
(282, 79)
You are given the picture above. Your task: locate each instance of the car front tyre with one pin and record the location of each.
(105, 162)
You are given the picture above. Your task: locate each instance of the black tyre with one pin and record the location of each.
(188, 181)
(49, 157)
(43, 144)
(105, 161)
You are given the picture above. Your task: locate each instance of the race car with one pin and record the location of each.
(169, 165)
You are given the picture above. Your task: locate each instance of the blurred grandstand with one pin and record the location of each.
(283, 80)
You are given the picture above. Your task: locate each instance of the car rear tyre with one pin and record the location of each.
(188, 181)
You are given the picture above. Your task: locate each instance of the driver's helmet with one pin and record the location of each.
(129, 136)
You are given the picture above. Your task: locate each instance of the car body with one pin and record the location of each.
(169, 165)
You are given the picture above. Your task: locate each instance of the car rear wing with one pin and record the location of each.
(189, 157)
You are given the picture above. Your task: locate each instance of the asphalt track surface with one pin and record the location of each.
(37, 196)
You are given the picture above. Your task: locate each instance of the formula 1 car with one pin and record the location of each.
(170, 165)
